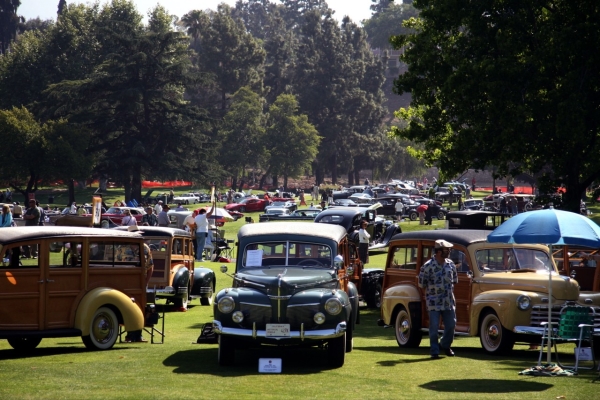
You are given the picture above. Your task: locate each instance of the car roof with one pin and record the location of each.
(21, 233)
(148, 231)
(463, 237)
(326, 231)
(345, 211)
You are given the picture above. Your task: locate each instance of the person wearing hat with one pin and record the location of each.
(17, 210)
(158, 207)
(149, 218)
(437, 278)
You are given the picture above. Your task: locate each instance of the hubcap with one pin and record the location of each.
(102, 328)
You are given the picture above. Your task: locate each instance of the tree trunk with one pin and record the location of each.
(350, 178)
(71, 187)
(233, 182)
(319, 176)
(357, 177)
(102, 184)
(263, 178)
(275, 181)
(127, 187)
(334, 170)
(136, 186)
(285, 182)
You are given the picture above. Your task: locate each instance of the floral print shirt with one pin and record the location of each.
(438, 282)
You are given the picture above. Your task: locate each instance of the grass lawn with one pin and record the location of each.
(180, 369)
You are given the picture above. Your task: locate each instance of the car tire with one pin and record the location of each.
(494, 338)
(206, 301)
(242, 209)
(182, 302)
(104, 330)
(413, 215)
(24, 343)
(226, 352)
(336, 351)
(374, 301)
(407, 334)
(441, 215)
(349, 338)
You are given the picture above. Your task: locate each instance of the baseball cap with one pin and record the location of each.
(442, 244)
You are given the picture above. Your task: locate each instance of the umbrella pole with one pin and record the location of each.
(549, 356)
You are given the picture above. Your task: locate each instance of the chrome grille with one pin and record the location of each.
(255, 313)
(302, 313)
(539, 314)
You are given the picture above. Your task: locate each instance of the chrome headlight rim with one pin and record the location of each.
(226, 305)
(523, 302)
(237, 317)
(319, 318)
(333, 306)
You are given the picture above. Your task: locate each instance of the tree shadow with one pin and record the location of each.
(485, 386)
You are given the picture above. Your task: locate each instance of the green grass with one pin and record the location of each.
(180, 369)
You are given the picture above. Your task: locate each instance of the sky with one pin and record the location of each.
(46, 9)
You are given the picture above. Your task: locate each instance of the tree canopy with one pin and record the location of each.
(513, 85)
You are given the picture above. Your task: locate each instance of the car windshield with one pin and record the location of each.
(114, 210)
(278, 204)
(281, 254)
(511, 259)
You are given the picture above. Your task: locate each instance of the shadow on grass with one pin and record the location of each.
(485, 386)
(10, 354)
(295, 361)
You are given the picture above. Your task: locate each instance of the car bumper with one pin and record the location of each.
(319, 334)
(168, 291)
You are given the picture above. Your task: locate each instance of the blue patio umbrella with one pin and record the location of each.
(550, 227)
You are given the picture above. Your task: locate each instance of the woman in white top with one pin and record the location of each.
(201, 221)
(128, 219)
(363, 239)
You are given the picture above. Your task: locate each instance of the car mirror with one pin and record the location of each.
(338, 262)
(224, 269)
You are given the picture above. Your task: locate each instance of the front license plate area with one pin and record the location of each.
(278, 330)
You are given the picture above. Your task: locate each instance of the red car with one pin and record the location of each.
(116, 215)
(248, 204)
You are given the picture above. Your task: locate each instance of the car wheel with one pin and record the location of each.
(413, 216)
(226, 354)
(182, 302)
(206, 301)
(349, 338)
(242, 209)
(441, 215)
(104, 330)
(374, 301)
(336, 351)
(24, 343)
(495, 339)
(407, 333)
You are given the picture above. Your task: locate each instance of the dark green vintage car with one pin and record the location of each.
(294, 285)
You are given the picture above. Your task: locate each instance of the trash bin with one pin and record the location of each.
(50, 199)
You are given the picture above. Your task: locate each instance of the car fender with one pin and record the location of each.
(354, 301)
(181, 277)
(203, 277)
(504, 304)
(400, 294)
(128, 312)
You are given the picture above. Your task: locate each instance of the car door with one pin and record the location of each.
(63, 276)
(22, 286)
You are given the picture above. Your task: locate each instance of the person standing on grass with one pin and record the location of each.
(363, 242)
(399, 207)
(201, 221)
(437, 278)
(163, 216)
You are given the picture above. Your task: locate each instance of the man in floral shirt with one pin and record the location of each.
(437, 277)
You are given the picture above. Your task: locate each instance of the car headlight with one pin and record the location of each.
(523, 302)
(237, 317)
(319, 318)
(333, 306)
(226, 305)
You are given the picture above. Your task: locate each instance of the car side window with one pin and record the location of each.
(11, 258)
(65, 254)
(114, 254)
(492, 260)
(459, 258)
(405, 257)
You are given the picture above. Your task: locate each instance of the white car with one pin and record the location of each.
(188, 198)
(361, 198)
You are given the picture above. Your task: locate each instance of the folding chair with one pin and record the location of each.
(576, 325)
(152, 317)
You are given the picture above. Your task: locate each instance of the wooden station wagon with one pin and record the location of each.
(501, 294)
(82, 282)
(174, 277)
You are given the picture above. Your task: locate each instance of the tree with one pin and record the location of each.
(62, 4)
(511, 85)
(242, 134)
(230, 55)
(292, 141)
(387, 23)
(9, 23)
(133, 102)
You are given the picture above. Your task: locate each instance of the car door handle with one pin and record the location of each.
(42, 281)
(49, 280)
